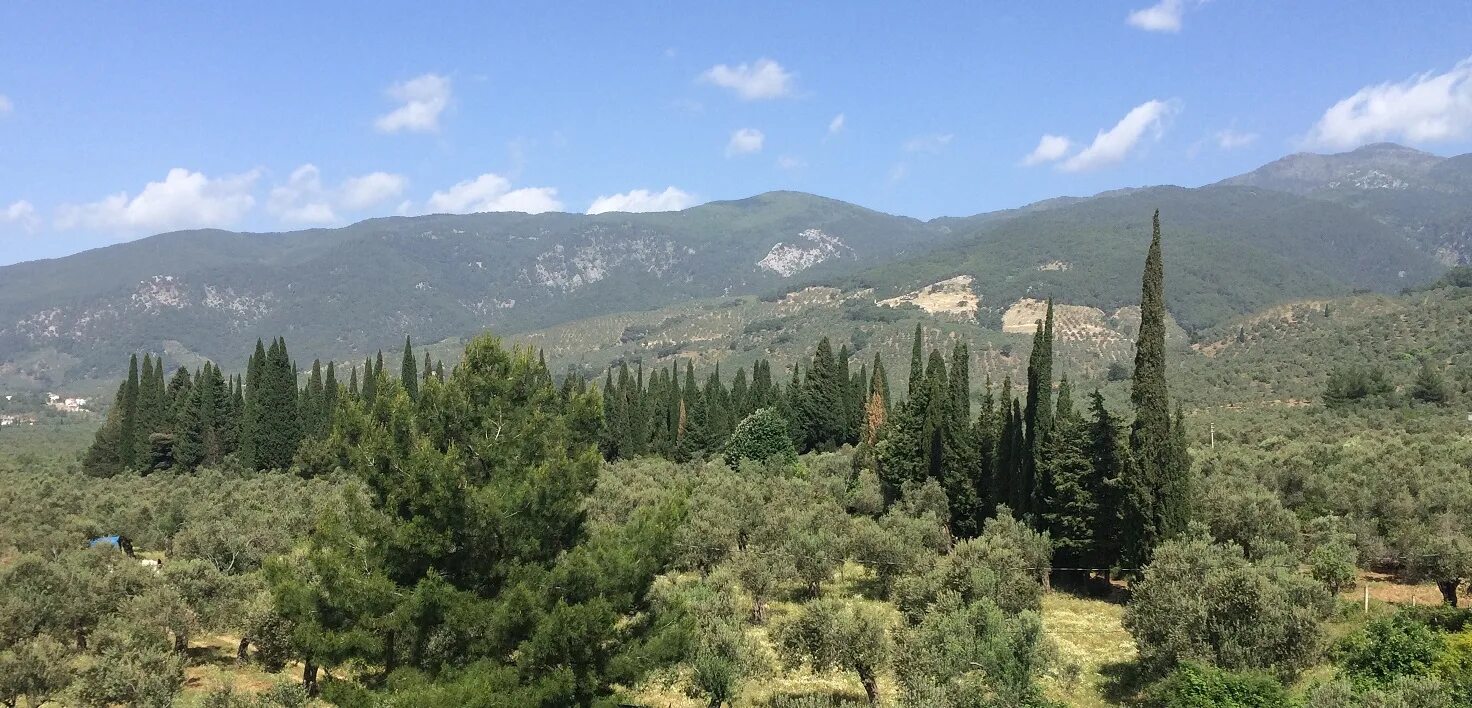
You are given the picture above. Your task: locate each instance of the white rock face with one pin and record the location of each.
(1369, 179)
(788, 259)
(568, 269)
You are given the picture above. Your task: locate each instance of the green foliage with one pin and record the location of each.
(1195, 685)
(972, 654)
(1386, 649)
(1205, 601)
(1356, 385)
(761, 436)
(829, 634)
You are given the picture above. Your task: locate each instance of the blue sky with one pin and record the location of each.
(119, 120)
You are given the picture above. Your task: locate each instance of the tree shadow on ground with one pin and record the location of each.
(1123, 682)
(1090, 587)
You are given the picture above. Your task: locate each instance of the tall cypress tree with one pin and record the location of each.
(822, 409)
(1038, 412)
(984, 432)
(407, 371)
(959, 474)
(128, 447)
(1108, 461)
(370, 382)
(917, 361)
(1159, 492)
(251, 417)
(330, 393)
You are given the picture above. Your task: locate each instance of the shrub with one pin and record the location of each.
(1206, 602)
(1388, 648)
(1194, 685)
(761, 436)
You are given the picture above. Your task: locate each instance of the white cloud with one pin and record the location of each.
(301, 200)
(898, 172)
(790, 162)
(1164, 16)
(1050, 148)
(304, 200)
(182, 200)
(22, 213)
(643, 200)
(424, 98)
(1113, 145)
(835, 126)
(492, 192)
(5, 105)
(371, 189)
(1232, 139)
(1424, 108)
(745, 140)
(764, 79)
(928, 143)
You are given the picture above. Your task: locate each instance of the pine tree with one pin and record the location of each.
(1430, 385)
(1159, 492)
(407, 373)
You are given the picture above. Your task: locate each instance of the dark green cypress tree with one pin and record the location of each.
(232, 404)
(1159, 494)
(609, 441)
(428, 369)
(740, 396)
(150, 416)
(985, 434)
(1038, 412)
(189, 440)
(330, 394)
(313, 407)
(353, 382)
(917, 362)
(370, 382)
(1069, 504)
(407, 371)
(849, 403)
(1005, 472)
(960, 475)
(178, 394)
(821, 407)
(937, 408)
(103, 457)
(439, 370)
(128, 447)
(1108, 461)
(638, 412)
(250, 420)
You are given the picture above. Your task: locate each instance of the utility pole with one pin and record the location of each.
(1212, 427)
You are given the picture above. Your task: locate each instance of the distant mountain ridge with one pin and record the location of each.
(1294, 228)
(1427, 197)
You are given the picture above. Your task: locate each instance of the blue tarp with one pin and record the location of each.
(103, 541)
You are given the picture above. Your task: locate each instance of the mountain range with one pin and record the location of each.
(1380, 218)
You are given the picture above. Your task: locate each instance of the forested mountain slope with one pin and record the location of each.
(1232, 249)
